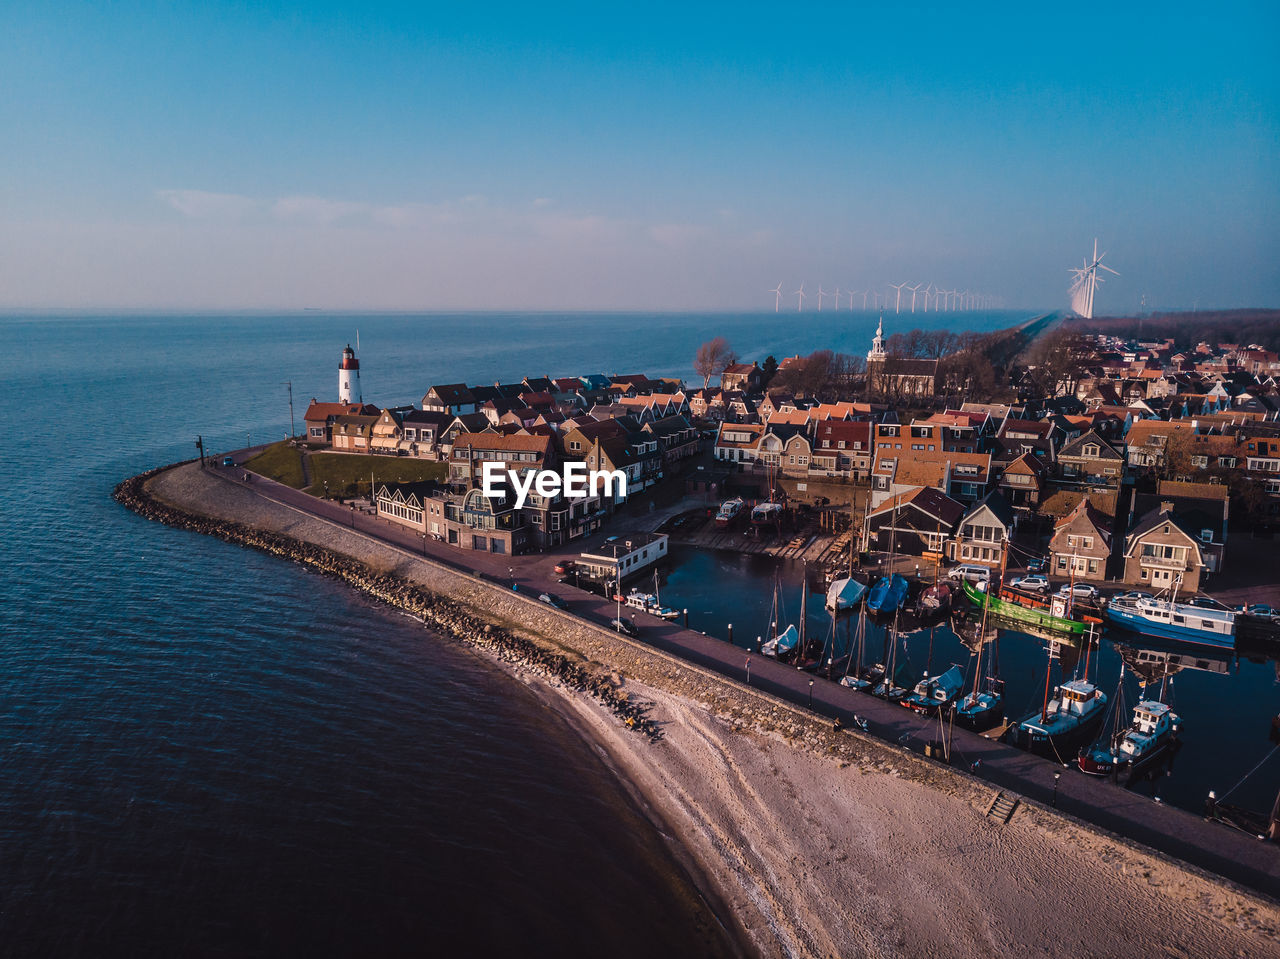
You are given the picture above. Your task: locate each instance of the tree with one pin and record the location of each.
(712, 357)
(768, 369)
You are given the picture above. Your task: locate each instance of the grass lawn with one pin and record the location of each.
(281, 462)
(348, 474)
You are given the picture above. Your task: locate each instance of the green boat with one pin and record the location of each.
(1025, 609)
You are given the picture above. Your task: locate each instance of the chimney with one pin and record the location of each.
(1166, 506)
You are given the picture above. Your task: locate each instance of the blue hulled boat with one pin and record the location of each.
(1173, 620)
(888, 594)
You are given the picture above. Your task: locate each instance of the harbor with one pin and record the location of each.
(720, 590)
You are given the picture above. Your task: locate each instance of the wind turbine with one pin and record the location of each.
(875, 301)
(897, 306)
(914, 290)
(1086, 281)
(851, 293)
(800, 302)
(777, 297)
(865, 294)
(821, 294)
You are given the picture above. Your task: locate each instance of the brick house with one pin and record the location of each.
(1081, 539)
(1161, 553)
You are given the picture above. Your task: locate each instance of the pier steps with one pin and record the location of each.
(1001, 808)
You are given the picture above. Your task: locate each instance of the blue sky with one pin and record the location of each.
(643, 156)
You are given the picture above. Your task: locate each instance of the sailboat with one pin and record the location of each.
(845, 593)
(887, 688)
(983, 707)
(888, 594)
(858, 678)
(783, 644)
(933, 694)
(650, 603)
(1070, 718)
(1152, 734)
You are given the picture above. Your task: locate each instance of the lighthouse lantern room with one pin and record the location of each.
(349, 378)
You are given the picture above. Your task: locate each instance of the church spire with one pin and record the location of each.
(877, 345)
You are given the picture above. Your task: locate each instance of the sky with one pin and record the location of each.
(633, 156)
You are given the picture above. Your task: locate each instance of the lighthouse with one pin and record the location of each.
(349, 377)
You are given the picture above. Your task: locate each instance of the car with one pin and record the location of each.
(1133, 594)
(551, 600)
(228, 461)
(974, 574)
(1037, 565)
(1079, 591)
(1037, 583)
(1206, 602)
(565, 566)
(1259, 609)
(624, 626)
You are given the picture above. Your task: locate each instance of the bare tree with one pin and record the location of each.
(712, 357)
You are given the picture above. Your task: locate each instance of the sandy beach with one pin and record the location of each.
(824, 842)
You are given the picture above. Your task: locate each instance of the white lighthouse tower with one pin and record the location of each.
(349, 378)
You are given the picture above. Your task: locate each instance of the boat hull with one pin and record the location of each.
(1137, 623)
(1023, 614)
(984, 713)
(1103, 762)
(888, 594)
(1056, 745)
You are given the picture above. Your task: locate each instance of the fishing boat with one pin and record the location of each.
(649, 603)
(1051, 614)
(983, 708)
(1152, 734)
(729, 511)
(766, 514)
(935, 693)
(844, 595)
(934, 601)
(1174, 620)
(856, 676)
(888, 594)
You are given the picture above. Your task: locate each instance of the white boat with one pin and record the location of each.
(648, 603)
(766, 513)
(1154, 731)
(729, 511)
(1070, 718)
(1174, 620)
(844, 595)
(782, 644)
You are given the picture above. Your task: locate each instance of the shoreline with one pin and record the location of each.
(721, 771)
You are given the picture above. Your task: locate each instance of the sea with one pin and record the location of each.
(206, 751)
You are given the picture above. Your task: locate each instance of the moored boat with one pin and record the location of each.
(935, 600)
(1174, 620)
(782, 645)
(649, 603)
(1070, 718)
(844, 595)
(1011, 604)
(1152, 734)
(935, 693)
(766, 514)
(888, 594)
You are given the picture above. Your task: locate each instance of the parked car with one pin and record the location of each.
(551, 600)
(1206, 602)
(624, 626)
(1258, 609)
(1078, 591)
(974, 574)
(228, 461)
(1133, 594)
(565, 566)
(1037, 565)
(1038, 583)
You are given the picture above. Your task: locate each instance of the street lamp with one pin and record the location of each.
(811, 694)
(424, 543)
(1056, 777)
(353, 515)
(748, 670)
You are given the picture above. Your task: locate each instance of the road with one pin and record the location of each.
(1209, 845)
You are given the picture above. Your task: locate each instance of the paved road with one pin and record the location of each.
(1209, 845)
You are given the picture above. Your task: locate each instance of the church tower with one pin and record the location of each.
(877, 345)
(349, 377)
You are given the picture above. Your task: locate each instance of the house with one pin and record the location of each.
(746, 377)
(1081, 541)
(1162, 553)
(423, 431)
(452, 398)
(737, 442)
(913, 523)
(983, 531)
(471, 450)
(352, 434)
(614, 562)
(842, 448)
(1022, 481)
(1202, 508)
(677, 439)
(1090, 460)
(320, 417)
(386, 433)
